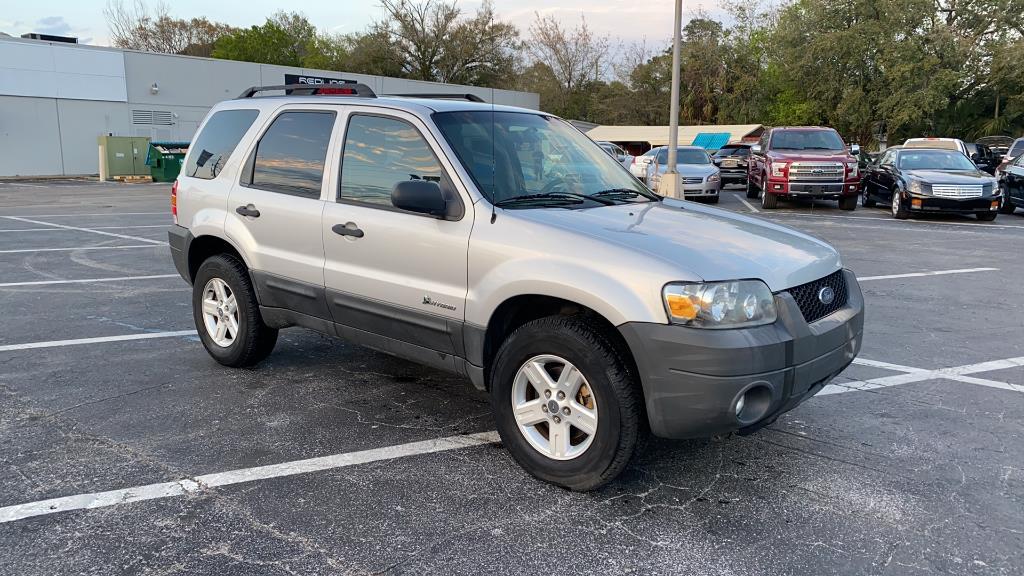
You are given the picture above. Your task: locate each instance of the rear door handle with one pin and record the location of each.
(249, 210)
(347, 229)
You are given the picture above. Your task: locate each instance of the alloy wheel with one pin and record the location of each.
(220, 312)
(554, 407)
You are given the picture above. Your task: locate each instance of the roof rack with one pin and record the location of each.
(342, 89)
(440, 96)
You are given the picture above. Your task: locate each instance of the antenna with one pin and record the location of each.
(494, 214)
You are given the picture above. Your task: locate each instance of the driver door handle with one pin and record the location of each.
(249, 211)
(346, 230)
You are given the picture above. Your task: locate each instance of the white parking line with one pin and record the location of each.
(23, 250)
(929, 273)
(911, 374)
(747, 204)
(79, 229)
(73, 214)
(92, 228)
(86, 280)
(208, 481)
(97, 340)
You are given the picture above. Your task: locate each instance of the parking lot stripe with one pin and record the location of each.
(747, 204)
(73, 214)
(97, 340)
(911, 374)
(92, 228)
(207, 481)
(80, 229)
(929, 273)
(24, 250)
(87, 280)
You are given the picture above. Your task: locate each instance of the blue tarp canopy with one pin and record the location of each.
(711, 140)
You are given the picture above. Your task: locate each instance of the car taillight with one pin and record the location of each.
(174, 201)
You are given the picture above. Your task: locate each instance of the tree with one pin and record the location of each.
(437, 43)
(576, 60)
(284, 39)
(133, 26)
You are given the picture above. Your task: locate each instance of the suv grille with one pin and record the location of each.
(817, 171)
(806, 296)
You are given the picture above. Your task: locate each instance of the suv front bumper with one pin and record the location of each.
(693, 378)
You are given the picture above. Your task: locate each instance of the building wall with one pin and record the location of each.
(55, 99)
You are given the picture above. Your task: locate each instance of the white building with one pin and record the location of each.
(56, 98)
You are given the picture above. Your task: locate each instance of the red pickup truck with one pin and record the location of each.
(802, 162)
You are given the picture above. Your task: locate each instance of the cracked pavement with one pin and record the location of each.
(918, 478)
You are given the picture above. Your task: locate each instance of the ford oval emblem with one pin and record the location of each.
(826, 295)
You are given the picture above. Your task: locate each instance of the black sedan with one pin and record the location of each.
(919, 180)
(731, 160)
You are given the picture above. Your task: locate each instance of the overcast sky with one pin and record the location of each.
(630, 21)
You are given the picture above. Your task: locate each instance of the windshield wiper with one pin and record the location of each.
(555, 197)
(618, 193)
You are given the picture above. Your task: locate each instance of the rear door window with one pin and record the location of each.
(290, 156)
(214, 145)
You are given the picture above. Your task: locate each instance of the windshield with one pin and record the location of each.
(807, 140)
(1016, 149)
(934, 159)
(515, 154)
(733, 151)
(685, 156)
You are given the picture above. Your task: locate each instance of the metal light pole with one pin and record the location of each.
(670, 184)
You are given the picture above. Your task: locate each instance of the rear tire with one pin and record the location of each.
(769, 201)
(616, 402)
(865, 198)
(848, 203)
(253, 340)
(987, 216)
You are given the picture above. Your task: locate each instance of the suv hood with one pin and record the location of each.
(709, 243)
(951, 176)
(812, 155)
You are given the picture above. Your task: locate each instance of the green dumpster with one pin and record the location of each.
(164, 160)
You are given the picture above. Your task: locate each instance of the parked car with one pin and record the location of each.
(983, 157)
(616, 151)
(731, 160)
(1011, 184)
(639, 166)
(501, 244)
(998, 144)
(941, 143)
(926, 180)
(701, 178)
(1014, 151)
(802, 162)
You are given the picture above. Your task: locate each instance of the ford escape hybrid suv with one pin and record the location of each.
(504, 245)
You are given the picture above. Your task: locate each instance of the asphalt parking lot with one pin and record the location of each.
(127, 450)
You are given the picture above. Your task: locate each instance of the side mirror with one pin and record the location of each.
(855, 149)
(755, 149)
(420, 196)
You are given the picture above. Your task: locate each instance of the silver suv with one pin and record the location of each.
(504, 245)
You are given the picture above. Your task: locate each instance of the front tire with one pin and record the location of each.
(712, 199)
(987, 216)
(752, 189)
(1006, 205)
(899, 210)
(227, 315)
(848, 203)
(568, 407)
(769, 201)
(865, 198)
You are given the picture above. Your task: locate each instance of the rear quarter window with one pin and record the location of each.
(215, 143)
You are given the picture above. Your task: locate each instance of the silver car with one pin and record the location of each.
(504, 246)
(701, 178)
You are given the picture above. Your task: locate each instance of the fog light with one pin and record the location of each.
(916, 202)
(995, 205)
(739, 404)
(778, 187)
(753, 404)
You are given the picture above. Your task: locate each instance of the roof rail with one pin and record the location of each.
(347, 88)
(440, 96)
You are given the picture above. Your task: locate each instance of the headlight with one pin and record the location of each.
(917, 187)
(852, 169)
(713, 178)
(720, 304)
(779, 169)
